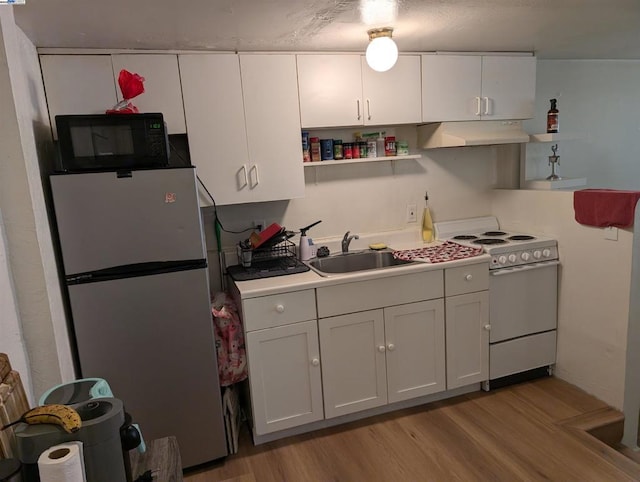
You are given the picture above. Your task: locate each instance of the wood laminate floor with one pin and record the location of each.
(536, 430)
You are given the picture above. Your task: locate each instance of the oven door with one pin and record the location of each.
(523, 300)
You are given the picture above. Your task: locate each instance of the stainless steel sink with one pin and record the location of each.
(356, 261)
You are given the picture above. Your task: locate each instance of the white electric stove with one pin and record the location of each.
(506, 248)
(523, 296)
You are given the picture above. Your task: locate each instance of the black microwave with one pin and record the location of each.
(97, 142)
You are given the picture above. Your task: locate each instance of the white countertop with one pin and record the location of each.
(397, 240)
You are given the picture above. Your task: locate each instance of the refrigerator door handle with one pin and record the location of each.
(135, 270)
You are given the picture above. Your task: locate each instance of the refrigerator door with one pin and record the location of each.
(107, 219)
(151, 338)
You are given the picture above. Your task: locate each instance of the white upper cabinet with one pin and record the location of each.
(273, 126)
(342, 90)
(472, 87)
(330, 90)
(162, 91)
(78, 84)
(214, 112)
(392, 97)
(244, 159)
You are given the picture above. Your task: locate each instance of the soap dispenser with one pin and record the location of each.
(306, 249)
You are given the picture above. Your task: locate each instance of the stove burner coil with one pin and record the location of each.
(521, 237)
(494, 233)
(463, 237)
(489, 241)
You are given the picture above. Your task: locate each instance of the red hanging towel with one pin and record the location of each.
(605, 207)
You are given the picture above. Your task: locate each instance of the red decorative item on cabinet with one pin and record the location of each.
(131, 85)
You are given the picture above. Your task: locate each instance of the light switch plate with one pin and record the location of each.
(611, 233)
(411, 213)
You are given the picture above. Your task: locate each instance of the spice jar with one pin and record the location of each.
(390, 146)
(363, 149)
(315, 149)
(337, 149)
(356, 150)
(347, 150)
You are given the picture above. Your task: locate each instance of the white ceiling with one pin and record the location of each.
(594, 29)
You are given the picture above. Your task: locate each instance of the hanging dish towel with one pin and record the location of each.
(447, 251)
(232, 359)
(605, 207)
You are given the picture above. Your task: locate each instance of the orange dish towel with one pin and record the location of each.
(605, 207)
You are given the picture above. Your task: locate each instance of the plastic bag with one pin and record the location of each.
(131, 85)
(232, 359)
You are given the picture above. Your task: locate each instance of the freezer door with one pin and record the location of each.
(151, 338)
(106, 220)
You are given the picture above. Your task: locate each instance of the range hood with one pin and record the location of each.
(471, 133)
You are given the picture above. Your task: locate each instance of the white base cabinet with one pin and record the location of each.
(285, 381)
(467, 339)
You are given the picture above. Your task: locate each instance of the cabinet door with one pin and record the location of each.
(214, 113)
(330, 90)
(509, 85)
(162, 91)
(353, 362)
(284, 376)
(451, 87)
(77, 84)
(394, 96)
(415, 343)
(272, 114)
(467, 332)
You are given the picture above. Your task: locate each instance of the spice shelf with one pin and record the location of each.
(366, 159)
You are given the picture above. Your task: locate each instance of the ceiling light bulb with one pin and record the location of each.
(382, 52)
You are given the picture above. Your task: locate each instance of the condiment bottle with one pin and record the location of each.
(315, 149)
(427, 222)
(552, 117)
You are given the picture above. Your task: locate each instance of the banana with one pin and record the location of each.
(62, 415)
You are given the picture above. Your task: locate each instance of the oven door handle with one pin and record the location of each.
(526, 267)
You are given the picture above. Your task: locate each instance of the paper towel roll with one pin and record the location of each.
(62, 463)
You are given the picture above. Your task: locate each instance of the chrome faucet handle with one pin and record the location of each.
(346, 240)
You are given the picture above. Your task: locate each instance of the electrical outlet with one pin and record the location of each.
(411, 213)
(258, 224)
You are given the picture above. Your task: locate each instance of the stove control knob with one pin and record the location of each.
(546, 252)
(502, 259)
(537, 254)
(525, 256)
(513, 258)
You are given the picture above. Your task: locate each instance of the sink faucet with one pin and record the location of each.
(346, 240)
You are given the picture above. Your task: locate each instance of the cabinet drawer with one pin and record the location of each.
(466, 279)
(276, 310)
(379, 293)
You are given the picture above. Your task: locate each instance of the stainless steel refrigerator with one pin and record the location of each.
(135, 266)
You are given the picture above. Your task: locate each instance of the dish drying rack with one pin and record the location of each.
(277, 260)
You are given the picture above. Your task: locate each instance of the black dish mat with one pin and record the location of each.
(267, 269)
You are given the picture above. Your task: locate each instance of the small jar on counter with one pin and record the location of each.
(356, 150)
(326, 149)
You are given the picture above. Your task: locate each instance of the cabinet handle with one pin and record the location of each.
(358, 105)
(486, 106)
(315, 362)
(242, 180)
(381, 348)
(468, 277)
(487, 327)
(280, 308)
(368, 110)
(478, 105)
(391, 347)
(254, 169)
